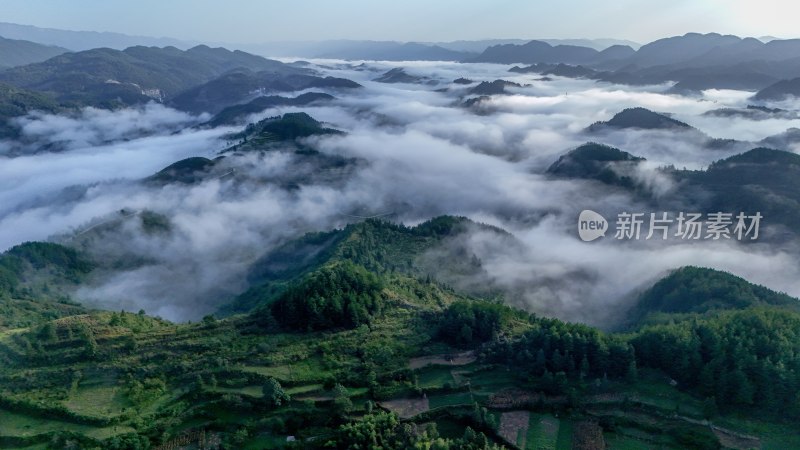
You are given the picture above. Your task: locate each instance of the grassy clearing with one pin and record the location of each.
(263, 441)
(308, 370)
(565, 431)
(458, 359)
(250, 391)
(489, 382)
(773, 436)
(616, 441)
(304, 389)
(98, 400)
(435, 377)
(21, 425)
(654, 389)
(460, 398)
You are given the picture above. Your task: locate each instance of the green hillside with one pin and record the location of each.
(698, 290)
(351, 342)
(14, 52)
(598, 162)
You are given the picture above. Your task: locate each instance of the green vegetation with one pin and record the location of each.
(760, 180)
(641, 118)
(16, 102)
(496, 87)
(352, 343)
(233, 114)
(237, 86)
(189, 170)
(14, 52)
(287, 127)
(736, 358)
(467, 324)
(378, 246)
(33, 279)
(110, 78)
(384, 430)
(341, 296)
(556, 351)
(697, 290)
(599, 162)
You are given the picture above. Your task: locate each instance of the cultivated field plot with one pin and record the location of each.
(455, 399)
(435, 377)
(459, 359)
(23, 425)
(514, 427)
(407, 408)
(616, 441)
(546, 432)
(98, 401)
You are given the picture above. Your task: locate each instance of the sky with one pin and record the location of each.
(256, 21)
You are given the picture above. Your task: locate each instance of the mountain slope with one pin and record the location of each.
(35, 278)
(379, 246)
(15, 102)
(781, 90)
(598, 162)
(640, 118)
(697, 290)
(541, 52)
(679, 48)
(391, 51)
(243, 85)
(233, 114)
(383, 334)
(83, 40)
(643, 119)
(18, 53)
(106, 77)
(762, 179)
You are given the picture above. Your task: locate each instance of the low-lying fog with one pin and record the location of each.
(423, 153)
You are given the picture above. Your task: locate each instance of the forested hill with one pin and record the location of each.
(379, 246)
(351, 340)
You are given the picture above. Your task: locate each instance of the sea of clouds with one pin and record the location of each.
(419, 154)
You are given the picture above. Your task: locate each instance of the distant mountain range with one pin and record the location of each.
(687, 51)
(201, 79)
(388, 51)
(98, 75)
(542, 52)
(780, 90)
(761, 179)
(85, 40)
(339, 49)
(205, 79)
(400, 51)
(242, 85)
(15, 52)
(694, 61)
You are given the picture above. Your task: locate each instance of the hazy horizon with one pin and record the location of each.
(250, 22)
